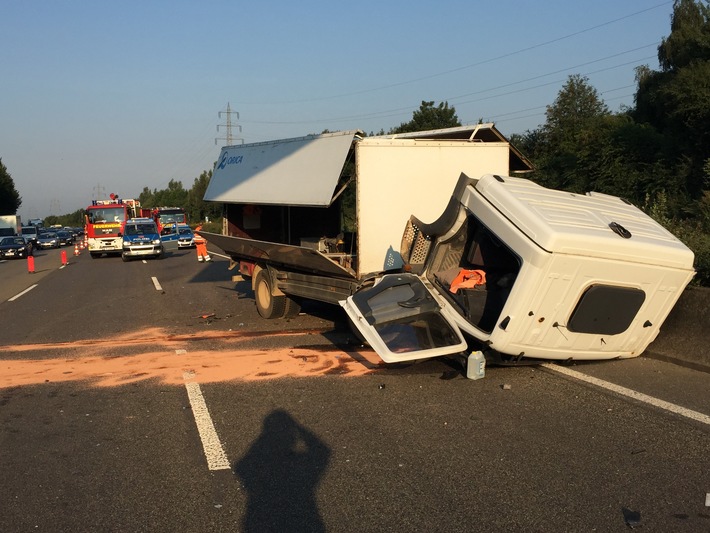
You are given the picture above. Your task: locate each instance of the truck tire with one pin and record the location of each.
(94, 255)
(268, 305)
(292, 308)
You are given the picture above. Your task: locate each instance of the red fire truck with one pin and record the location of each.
(105, 222)
(168, 219)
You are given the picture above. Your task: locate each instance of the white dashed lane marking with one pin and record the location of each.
(639, 396)
(214, 452)
(28, 289)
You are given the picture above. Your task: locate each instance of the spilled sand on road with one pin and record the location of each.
(169, 358)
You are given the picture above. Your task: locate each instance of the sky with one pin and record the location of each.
(111, 97)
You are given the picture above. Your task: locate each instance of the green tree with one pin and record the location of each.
(676, 99)
(146, 197)
(75, 219)
(10, 200)
(429, 117)
(560, 146)
(689, 39)
(174, 196)
(197, 209)
(576, 105)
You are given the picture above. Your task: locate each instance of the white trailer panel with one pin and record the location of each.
(299, 171)
(394, 175)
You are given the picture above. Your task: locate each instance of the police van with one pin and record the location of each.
(141, 239)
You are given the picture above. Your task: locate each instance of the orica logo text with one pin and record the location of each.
(226, 160)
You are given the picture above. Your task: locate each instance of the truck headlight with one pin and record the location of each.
(156, 241)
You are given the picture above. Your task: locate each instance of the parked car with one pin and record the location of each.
(48, 239)
(65, 238)
(15, 248)
(186, 239)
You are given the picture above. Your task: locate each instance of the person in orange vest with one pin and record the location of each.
(201, 245)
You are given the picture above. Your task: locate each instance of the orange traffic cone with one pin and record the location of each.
(76, 249)
(30, 264)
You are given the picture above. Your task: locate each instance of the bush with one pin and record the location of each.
(213, 226)
(697, 240)
(692, 233)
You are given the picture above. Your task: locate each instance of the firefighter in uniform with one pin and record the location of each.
(201, 245)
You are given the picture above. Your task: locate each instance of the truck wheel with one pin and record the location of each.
(292, 308)
(125, 258)
(268, 305)
(94, 255)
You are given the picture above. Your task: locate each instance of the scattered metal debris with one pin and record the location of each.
(632, 518)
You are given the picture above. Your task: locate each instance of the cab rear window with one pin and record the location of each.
(606, 310)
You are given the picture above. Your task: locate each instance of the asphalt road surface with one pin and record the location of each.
(150, 396)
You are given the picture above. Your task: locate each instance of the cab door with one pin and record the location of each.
(402, 321)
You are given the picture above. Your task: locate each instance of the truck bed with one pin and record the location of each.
(296, 258)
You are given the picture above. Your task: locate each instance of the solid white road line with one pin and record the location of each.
(661, 404)
(28, 289)
(156, 284)
(214, 452)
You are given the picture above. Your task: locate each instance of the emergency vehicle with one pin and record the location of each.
(141, 239)
(168, 219)
(105, 221)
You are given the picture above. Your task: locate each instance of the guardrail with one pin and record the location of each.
(685, 335)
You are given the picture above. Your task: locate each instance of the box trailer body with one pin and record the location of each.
(10, 225)
(396, 177)
(291, 191)
(563, 280)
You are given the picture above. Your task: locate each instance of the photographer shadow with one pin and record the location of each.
(281, 472)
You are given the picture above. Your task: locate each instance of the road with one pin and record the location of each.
(150, 396)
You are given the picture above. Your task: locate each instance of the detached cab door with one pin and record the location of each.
(402, 320)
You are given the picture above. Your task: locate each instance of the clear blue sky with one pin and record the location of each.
(99, 97)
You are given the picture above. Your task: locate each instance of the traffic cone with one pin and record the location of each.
(76, 249)
(30, 264)
(64, 257)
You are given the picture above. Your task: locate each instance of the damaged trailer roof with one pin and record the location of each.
(483, 132)
(301, 171)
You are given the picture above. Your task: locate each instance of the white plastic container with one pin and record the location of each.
(476, 366)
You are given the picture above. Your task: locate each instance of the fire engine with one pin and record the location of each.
(168, 219)
(105, 221)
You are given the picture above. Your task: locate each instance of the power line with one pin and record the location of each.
(471, 65)
(400, 110)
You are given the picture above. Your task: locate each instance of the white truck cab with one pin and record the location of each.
(527, 272)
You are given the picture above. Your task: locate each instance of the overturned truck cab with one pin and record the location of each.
(527, 273)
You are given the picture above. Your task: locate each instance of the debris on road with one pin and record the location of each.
(632, 518)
